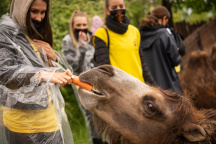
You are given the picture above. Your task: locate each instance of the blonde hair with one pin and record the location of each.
(71, 29)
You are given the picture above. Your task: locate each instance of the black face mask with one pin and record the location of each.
(118, 15)
(76, 32)
(37, 24)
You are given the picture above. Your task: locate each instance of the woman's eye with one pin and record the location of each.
(150, 107)
(121, 6)
(33, 11)
(114, 8)
(43, 12)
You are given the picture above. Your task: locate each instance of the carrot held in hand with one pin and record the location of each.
(84, 85)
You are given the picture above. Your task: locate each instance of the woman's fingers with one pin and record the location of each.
(59, 78)
(82, 36)
(68, 72)
(48, 49)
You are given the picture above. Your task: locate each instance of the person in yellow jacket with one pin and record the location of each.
(31, 104)
(117, 43)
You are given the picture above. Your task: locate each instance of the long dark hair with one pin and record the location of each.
(44, 32)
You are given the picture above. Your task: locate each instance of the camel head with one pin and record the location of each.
(128, 111)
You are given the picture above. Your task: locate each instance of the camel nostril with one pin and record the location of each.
(107, 69)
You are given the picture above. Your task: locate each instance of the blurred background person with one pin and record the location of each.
(78, 52)
(117, 42)
(159, 49)
(96, 23)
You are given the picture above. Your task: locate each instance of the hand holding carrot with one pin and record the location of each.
(59, 78)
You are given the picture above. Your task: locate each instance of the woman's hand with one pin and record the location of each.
(48, 49)
(58, 78)
(82, 36)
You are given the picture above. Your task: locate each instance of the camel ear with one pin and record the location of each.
(193, 132)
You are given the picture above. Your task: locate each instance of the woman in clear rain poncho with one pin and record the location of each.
(32, 107)
(79, 52)
(76, 47)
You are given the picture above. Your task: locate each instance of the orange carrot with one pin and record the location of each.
(84, 85)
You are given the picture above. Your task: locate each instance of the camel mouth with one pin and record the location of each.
(97, 78)
(95, 91)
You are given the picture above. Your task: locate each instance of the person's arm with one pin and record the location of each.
(61, 78)
(171, 49)
(101, 52)
(146, 73)
(74, 56)
(15, 73)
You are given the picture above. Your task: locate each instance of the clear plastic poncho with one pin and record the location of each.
(80, 60)
(31, 110)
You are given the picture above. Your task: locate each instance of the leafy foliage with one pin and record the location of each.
(198, 6)
(4, 6)
(193, 11)
(60, 14)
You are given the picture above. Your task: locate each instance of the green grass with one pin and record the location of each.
(75, 116)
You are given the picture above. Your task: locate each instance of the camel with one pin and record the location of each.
(198, 80)
(128, 111)
(213, 56)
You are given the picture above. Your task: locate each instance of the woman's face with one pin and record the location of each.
(80, 22)
(115, 5)
(38, 10)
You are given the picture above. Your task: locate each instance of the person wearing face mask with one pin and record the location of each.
(31, 104)
(79, 52)
(76, 47)
(117, 42)
(160, 49)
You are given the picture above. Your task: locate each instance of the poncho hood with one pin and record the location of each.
(18, 11)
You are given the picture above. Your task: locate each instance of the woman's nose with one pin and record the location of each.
(39, 17)
(82, 27)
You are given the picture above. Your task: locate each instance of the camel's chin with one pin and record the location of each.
(90, 99)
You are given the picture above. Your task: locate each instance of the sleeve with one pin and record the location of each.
(14, 72)
(101, 52)
(148, 78)
(88, 52)
(171, 49)
(179, 42)
(74, 56)
(19, 79)
(146, 73)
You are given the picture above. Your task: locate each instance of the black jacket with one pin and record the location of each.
(161, 56)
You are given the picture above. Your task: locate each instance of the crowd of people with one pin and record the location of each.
(32, 106)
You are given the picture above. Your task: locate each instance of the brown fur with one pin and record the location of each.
(213, 57)
(131, 112)
(185, 113)
(198, 80)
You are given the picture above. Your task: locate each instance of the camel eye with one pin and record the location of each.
(151, 107)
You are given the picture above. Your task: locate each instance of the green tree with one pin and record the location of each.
(4, 7)
(198, 6)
